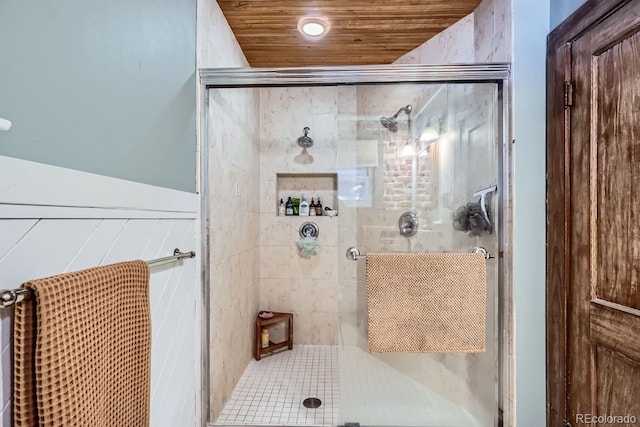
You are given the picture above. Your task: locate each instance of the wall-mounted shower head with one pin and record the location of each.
(391, 123)
(305, 141)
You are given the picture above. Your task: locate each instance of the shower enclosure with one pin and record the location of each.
(406, 159)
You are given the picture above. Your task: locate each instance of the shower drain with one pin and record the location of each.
(312, 402)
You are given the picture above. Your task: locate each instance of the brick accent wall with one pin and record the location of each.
(397, 178)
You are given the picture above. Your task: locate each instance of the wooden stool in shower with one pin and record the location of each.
(261, 323)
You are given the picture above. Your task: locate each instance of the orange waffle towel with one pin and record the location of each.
(426, 303)
(82, 347)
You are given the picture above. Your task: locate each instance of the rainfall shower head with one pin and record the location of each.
(391, 123)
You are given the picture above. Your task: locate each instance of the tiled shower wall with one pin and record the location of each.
(234, 209)
(309, 288)
(235, 231)
(483, 36)
(492, 31)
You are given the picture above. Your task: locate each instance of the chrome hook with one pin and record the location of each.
(483, 203)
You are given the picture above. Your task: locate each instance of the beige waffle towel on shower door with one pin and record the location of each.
(426, 303)
(82, 347)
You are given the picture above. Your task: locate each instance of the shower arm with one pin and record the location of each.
(414, 175)
(414, 162)
(407, 110)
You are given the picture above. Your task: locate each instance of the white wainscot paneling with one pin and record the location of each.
(48, 247)
(80, 230)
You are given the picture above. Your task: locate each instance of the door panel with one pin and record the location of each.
(617, 385)
(594, 151)
(605, 208)
(618, 173)
(419, 389)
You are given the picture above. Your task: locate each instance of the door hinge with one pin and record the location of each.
(568, 94)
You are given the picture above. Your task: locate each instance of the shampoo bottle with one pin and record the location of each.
(289, 207)
(312, 208)
(304, 206)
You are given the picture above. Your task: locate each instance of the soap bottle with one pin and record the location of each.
(304, 206)
(289, 207)
(265, 337)
(281, 209)
(312, 208)
(319, 208)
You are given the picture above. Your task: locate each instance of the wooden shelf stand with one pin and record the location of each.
(261, 323)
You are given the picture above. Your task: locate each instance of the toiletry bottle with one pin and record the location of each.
(304, 206)
(281, 210)
(319, 208)
(265, 337)
(312, 208)
(289, 207)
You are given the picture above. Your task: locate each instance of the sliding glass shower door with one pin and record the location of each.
(419, 171)
(409, 160)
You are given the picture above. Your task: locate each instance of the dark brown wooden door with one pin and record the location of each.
(593, 278)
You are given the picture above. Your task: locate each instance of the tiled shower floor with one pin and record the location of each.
(376, 394)
(271, 391)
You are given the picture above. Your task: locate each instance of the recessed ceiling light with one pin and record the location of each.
(313, 26)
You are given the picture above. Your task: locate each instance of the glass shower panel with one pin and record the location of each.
(440, 161)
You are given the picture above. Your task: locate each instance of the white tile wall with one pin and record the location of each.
(289, 283)
(454, 45)
(234, 237)
(235, 215)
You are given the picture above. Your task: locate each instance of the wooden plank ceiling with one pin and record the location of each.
(362, 31)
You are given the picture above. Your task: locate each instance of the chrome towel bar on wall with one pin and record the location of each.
(9, 297)
(354, 254)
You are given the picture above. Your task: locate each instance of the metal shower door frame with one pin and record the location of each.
(499, 73)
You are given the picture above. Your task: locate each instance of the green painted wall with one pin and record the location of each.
(104, 87)
(530, 29)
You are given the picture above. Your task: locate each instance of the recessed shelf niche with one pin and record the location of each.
(312, 185)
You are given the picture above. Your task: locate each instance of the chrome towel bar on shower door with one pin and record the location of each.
(353, 253)
(10, 297)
